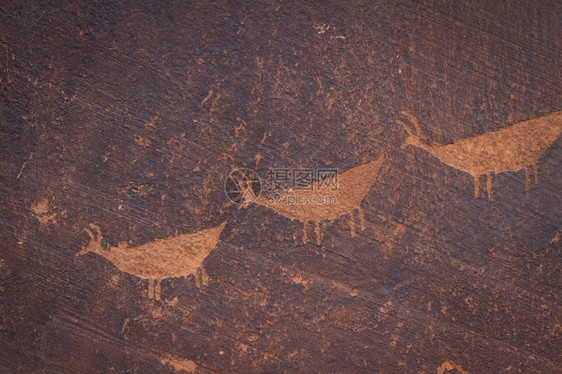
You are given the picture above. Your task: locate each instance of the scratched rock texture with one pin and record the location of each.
(129, 116)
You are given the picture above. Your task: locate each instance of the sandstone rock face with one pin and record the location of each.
(280, 187)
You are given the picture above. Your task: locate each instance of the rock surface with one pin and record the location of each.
(129, 116)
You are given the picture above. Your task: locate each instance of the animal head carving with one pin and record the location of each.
(95, 240)
(414, 137)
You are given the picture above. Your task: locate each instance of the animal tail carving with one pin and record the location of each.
(95, 240)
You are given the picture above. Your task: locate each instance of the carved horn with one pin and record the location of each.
(90, 233)
(95, 230)
(408, 129)
(94, 240)
(413, 120)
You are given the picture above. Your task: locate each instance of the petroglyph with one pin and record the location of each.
(353, 185)
(449, 366)
(178, 256)
(24, 164)
(43, 213)
(179, 364)
(511, 148)
(322, 28)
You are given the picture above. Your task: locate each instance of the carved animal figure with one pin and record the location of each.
(511, 148)
(352, 186)
(177, 256)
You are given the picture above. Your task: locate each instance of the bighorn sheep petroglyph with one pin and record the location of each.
(177, 256)
(511, 148)
(352, 186)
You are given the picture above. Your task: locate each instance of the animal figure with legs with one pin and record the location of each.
(345, 199)
(512, 148)
(178, 256)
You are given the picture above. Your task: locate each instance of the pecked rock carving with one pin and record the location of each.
(449, 367)
(177, 256)
(511, 148)
(353, 185)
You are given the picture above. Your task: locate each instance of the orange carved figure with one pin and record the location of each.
(177, 256)
(352, 186)
(511, 148)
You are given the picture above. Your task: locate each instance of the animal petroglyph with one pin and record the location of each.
(178, 256)
(449, 366)
(352, 187)
(511, 148)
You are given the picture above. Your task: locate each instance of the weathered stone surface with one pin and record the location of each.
(128, 118)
